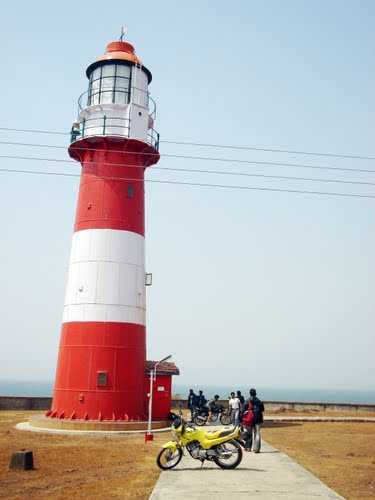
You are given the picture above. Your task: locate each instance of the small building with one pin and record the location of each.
(162, 391)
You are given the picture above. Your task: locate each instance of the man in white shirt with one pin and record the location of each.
(234, 408)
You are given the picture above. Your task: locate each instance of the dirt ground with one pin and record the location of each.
(75, 466)
(341, 454)
(318, 413)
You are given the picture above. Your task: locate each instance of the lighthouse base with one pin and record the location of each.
(41, 422)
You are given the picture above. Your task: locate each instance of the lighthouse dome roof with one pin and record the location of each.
(119, 51)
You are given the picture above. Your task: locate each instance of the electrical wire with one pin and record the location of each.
(203, 158)
(217, 146)
(200, 171)
(34, 131)
(269, 150)
(196, 184)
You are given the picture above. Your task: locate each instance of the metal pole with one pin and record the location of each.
(150, 401)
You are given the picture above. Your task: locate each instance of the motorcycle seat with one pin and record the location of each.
(217, 434)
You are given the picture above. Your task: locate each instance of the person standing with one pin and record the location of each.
(201, 400)
(242, 402)
(254, 438)
(192, 402)
(234, 408)
(214, 407)
(202, 404)
(240, 397)
(247, 422)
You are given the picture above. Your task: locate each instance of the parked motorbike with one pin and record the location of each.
(200, 416)
(220, 447)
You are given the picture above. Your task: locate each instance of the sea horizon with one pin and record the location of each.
(327, 395)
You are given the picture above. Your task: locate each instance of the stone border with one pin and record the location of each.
(26, 426)
(94, 425)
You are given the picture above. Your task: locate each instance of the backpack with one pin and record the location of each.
(248, 416)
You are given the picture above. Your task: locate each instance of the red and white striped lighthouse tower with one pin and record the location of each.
(102, 355)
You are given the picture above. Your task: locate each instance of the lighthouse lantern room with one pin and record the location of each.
(117, 102)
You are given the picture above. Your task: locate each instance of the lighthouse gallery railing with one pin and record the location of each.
(112, 125)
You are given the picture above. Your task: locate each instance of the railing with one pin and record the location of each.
(134, 95)
(153, 138)
(109, 126)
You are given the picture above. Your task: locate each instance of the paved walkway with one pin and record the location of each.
(269, 475)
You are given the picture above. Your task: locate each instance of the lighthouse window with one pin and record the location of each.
(94, 88)
(109, 83)
(108, 70)
(102, 379)
(123, 71)
(130, 192)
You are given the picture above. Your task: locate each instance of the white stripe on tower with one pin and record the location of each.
(106, 277)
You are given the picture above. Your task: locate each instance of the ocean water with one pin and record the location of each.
(286, 394)
(44, 388)
(25, 388)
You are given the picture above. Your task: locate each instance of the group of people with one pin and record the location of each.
(196, 401)
(247, 413)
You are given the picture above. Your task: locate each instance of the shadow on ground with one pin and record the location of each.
(203, 469)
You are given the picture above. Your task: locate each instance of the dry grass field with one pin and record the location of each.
(326, 413)
(76, 467)
(341, 454)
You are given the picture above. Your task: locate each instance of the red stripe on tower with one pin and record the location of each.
(102, 354)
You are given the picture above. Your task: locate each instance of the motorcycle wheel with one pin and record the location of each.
(200, 420)
(232, 447)
(167, 458)
(225, 419)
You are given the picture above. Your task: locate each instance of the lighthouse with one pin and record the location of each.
(102, 374)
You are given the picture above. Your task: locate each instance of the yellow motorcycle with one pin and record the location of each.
(220, 446)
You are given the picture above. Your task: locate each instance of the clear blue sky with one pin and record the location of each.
(250, 287)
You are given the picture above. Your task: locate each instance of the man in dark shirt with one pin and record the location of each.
(201, 400)
(214, 406)
(254, 438)
(242, 401)
(241, 398)
(192, 402)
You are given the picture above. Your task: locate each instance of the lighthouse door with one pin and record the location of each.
(139, 104)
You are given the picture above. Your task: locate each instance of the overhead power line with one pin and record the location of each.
(200, 158)
(216, 146)
(196, 184)
(200, 171)
(270, 150)
(34, 131)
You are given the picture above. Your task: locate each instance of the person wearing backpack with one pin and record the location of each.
(257, 406)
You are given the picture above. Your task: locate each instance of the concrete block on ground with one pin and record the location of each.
(22, 460)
